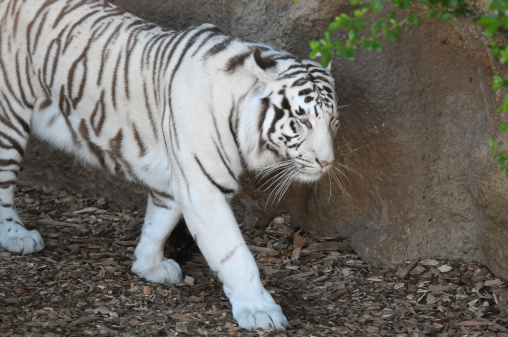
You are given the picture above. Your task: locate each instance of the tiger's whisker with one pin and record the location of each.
(340, 173)
(349, 169)
(339, 183)
(269, 169)
(279, 176)
(282, 186)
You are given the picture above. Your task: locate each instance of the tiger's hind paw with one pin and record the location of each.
(16, 239)
(167, 271)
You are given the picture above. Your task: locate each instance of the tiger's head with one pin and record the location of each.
(297, 117)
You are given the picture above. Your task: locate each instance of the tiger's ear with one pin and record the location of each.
(264, 67)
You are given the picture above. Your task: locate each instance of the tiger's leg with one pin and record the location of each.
(14, 132)
(162, 215)
(214, 228)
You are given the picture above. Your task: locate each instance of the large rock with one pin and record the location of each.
(418, 175)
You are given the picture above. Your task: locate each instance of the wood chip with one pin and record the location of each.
(189, 280)
(406, 270)
(83, 320)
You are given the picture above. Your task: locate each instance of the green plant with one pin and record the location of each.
(388, 27)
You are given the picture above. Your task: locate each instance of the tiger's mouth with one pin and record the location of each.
(310, 174)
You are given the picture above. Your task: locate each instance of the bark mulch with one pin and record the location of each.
(81, 284)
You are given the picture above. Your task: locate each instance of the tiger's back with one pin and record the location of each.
(182, 112)
(103, 80)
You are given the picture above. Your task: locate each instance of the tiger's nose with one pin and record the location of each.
(323, 163)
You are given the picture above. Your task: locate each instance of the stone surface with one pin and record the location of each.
(419, 177)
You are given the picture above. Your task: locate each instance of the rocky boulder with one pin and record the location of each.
(418, 178)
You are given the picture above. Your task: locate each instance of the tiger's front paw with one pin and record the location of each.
(267, 318)
(261, 312)
(166, 271)
(17, 239)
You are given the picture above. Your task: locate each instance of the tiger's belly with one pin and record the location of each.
(116, 147)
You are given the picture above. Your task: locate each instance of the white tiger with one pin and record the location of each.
(182, 112)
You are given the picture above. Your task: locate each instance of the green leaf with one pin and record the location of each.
(359, 13)
(347, 52)
(404, 4)
(392, 18)
(367, 45)
(328, 36)
(412, 18)
(334, 25)
(491, 29)
(374, 28)
(377, 6)
(325, 59)
(503, 127)
(390, 37)
(352, 36)
(345, 21)
(503, 107)
(504, 21)
(358, 24)
(498, 82)
(503, 51)
(484, 21)
(491, 142)
(314, 45)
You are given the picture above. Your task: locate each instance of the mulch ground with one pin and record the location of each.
(81, 284)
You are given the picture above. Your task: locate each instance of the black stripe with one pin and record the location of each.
(219, 47)
(8, 162)
(224, 162)
(13, 142)
(214, 183)
(163, 195)
(233, 128)
(304, 92)
(293, 74)
(297, 65)
(299, 82)
(6, 120)
(265, 103)
(209, 37)
(236, 61)
(6, 184)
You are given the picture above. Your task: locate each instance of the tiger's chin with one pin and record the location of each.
(310, 177)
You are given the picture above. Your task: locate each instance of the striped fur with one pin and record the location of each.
(182, 112)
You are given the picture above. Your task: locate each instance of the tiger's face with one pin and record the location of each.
(298, 121)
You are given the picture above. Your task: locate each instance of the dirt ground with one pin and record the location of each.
(81, 284)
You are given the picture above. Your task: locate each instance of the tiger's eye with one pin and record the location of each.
(307, 124)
